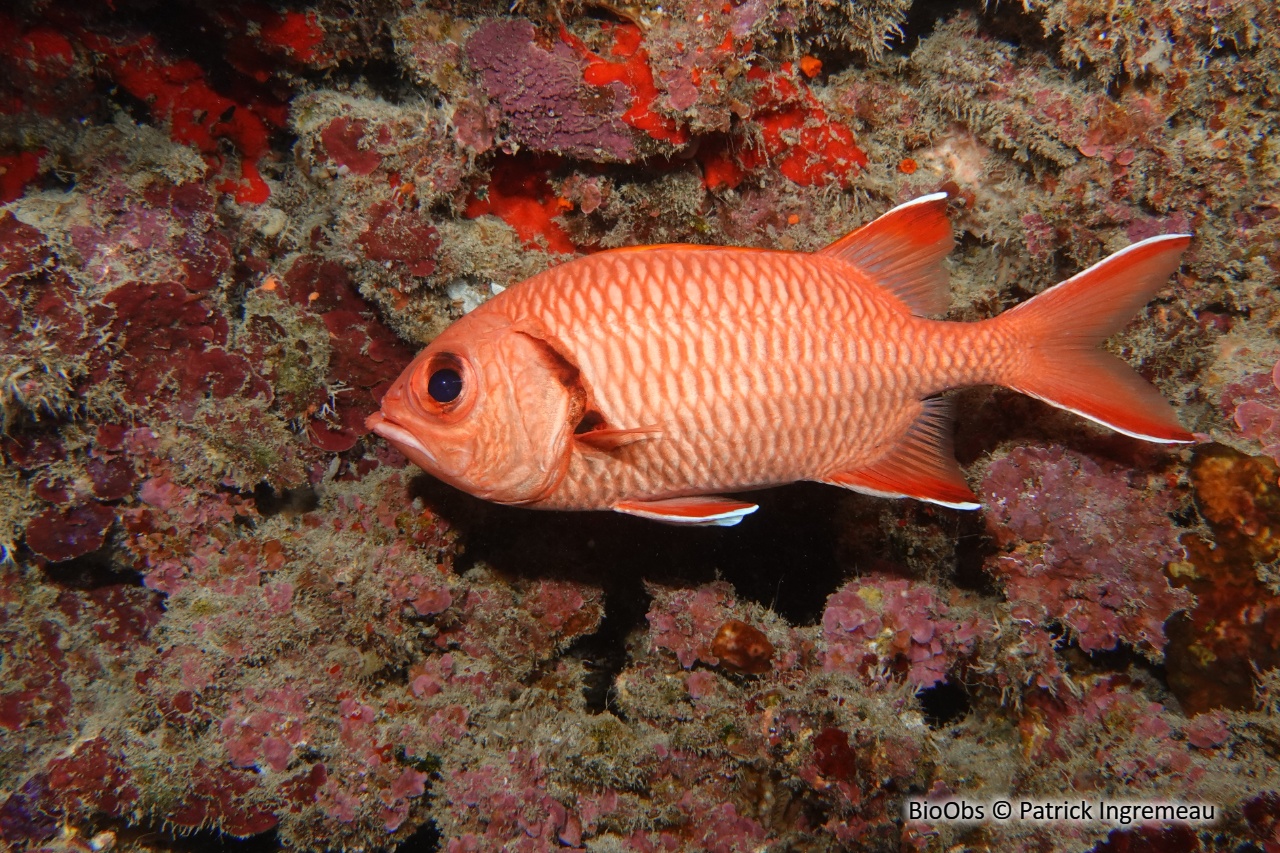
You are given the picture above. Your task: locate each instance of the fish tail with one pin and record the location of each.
(1057, 335)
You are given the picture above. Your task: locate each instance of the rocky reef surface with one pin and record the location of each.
(227, 612)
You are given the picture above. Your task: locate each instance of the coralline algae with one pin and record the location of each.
(228, 611)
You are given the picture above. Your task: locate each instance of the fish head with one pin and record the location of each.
(487, 408)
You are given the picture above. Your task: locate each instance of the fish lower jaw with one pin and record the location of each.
(401, 438)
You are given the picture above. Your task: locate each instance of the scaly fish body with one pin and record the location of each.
(650, 380)
(757, 367)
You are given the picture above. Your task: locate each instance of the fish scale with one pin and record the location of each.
(724, 402)
(652, 380)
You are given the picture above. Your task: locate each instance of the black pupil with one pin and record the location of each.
(445, 385)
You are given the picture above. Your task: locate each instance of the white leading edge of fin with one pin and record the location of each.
(924, 199)
(1120, 253)
(876, 493)
(1151, 438)
(729, 518)
(902, 250)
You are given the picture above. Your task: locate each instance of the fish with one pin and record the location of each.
(657, 380)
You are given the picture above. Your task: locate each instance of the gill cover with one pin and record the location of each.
(506, 436)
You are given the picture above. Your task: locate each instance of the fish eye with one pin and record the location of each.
(445, 385)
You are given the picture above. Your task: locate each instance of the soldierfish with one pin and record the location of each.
(650, 380)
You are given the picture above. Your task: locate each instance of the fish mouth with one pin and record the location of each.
(403, 440)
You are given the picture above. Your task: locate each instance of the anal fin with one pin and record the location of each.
(922, 465)
(612, 439)
(693, 511)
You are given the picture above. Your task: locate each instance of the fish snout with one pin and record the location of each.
(402, 439)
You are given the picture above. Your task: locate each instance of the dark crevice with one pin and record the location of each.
(1157, 839)
(57, 180)
(297, 501)
(426, 839)
(1124, 658)
(1005, 20)
(1227, 46)
(973, 547)
(1009, 21)
(214, 841)
(1186, 517)
(923, 17)
(1241, 311)
(604, 655)
(91, 571)
(138, 110)
(945, 703)
(384, 77)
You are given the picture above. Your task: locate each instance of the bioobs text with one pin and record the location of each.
(951, 810)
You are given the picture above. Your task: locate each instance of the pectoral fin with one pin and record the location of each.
(611, 439)
(695, 511)
(920, 466)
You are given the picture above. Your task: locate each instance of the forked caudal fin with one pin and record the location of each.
(1058, 333)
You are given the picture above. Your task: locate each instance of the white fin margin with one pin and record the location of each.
(875, 493)
(728, 518)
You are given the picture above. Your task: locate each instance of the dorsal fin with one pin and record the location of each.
(903, 251)
(921, 466)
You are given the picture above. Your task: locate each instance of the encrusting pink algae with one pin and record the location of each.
(232, 619)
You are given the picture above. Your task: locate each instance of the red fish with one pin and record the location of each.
(651, 380)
